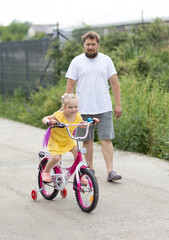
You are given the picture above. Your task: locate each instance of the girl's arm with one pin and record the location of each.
(49, 120)
(96, 120)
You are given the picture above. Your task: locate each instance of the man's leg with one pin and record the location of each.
(107, 149)
(89, 153)
(88, 141)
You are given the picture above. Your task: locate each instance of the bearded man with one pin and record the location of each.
(91, 73)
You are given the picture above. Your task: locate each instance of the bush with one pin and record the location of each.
(10, 107)
(42, 103)
(144, 125)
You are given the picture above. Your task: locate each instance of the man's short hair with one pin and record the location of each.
(91, 35)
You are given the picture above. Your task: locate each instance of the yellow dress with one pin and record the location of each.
(60, 141)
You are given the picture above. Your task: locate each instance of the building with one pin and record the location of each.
(35, 29)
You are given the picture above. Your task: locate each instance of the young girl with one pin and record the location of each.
(59, 141)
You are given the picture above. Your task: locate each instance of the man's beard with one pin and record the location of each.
(91, 55)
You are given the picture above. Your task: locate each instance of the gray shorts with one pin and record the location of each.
(105, 127)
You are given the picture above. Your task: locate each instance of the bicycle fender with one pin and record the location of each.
(82, 167)
(42, 161)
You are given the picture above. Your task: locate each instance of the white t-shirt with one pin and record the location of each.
(91, 75)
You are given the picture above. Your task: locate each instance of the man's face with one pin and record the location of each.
(91, 47)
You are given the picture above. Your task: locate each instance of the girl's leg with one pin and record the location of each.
(74, 152)
(52, 162)
(45, 174)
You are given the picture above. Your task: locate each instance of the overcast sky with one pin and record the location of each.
(72, 13)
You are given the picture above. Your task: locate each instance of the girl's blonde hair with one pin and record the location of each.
(66, 97)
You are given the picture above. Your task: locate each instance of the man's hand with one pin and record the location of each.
(117, 112)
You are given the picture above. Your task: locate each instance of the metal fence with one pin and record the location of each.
(23, 64)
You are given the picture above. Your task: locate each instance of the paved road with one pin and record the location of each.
(135, 208)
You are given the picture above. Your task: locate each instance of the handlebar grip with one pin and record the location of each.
(91, 120)
(59, 125)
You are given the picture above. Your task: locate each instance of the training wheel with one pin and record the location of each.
(34, 194)
(63, 193)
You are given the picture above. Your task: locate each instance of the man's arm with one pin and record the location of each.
(70, 86)
(114, 82)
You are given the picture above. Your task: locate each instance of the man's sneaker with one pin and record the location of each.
(113, 176)
(46, 177)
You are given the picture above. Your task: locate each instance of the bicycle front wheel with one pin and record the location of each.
(87, 196)
(47, 190)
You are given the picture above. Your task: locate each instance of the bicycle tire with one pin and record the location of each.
(47, 189)
(87, 197)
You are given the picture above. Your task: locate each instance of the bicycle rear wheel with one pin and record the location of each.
(47, 190)
(87, 196)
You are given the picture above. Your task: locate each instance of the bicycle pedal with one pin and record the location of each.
(46, 182)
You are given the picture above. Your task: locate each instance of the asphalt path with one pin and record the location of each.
(135, 208)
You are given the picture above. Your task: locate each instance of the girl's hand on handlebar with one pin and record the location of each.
(52, 122)
(95, 120)
(48, 123)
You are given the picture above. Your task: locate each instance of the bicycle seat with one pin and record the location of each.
(41, 154)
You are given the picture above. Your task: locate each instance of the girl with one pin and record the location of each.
(59, 141)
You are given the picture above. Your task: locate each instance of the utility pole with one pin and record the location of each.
(142, 17)
(57, 29)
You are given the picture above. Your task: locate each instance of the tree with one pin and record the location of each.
(16, 31)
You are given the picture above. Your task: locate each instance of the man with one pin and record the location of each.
(91, 71)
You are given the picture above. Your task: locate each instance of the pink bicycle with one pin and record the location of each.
(87, 194)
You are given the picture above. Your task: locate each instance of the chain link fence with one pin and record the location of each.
(23, 64)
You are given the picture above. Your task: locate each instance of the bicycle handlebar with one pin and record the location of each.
(87, 124)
